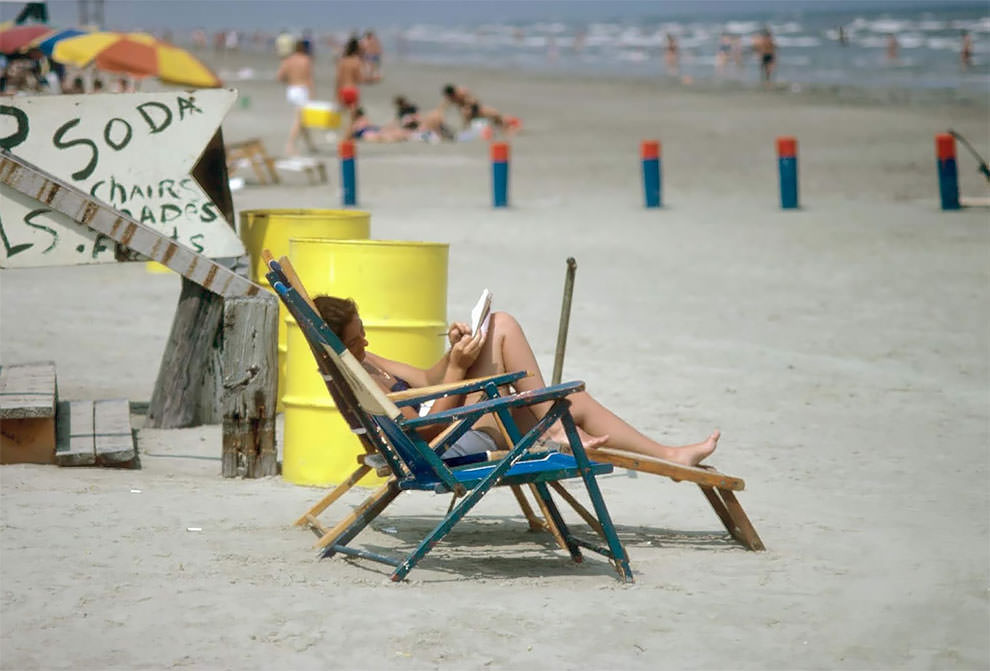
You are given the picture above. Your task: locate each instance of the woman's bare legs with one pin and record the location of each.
(507, 349)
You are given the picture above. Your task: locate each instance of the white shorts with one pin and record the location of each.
(472, 442)
(297, 95)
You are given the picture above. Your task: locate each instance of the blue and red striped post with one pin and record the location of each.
(348, 176)
(948, 176)
(500, 174)
(649, 151)
(787, 165)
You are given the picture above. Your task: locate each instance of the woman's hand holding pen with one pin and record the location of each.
(456, 331)
(465, 347)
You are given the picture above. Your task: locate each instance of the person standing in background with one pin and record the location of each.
(371, 48)
(966, 52)
(737, 51)
(724, 53)
(766, 50)
(285, 43)
(296, 71)
(671, 56)
(892, 48)
(350, 74)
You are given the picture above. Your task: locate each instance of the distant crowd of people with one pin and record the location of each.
(34, 73)
(477, 120)
(730, 49)
(360, 62)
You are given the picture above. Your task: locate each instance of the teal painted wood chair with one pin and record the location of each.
(371, 459)
(416, 465)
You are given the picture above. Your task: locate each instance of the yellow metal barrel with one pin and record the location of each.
(401, 292)
(271, 229)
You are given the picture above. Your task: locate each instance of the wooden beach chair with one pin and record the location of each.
(415, 465)
(252, 154)
(371, 460)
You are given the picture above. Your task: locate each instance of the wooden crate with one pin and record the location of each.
(95, 433)
(27, 413)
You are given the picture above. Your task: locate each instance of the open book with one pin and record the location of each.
(482, 312)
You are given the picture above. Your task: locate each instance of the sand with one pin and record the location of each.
(842, 350)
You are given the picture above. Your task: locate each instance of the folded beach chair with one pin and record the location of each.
(415, 465)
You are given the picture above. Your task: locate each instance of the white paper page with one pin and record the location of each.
(482, 312)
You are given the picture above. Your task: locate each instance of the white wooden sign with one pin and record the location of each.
(131, 151)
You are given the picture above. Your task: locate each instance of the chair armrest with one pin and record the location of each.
(420, 394)
(522, 399)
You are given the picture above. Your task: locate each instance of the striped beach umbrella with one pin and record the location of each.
(47, 42)
(135, 54)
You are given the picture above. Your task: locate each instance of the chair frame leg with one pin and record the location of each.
(462, 508)
(360, 517)
(589, 519)
(727, 507)
(550, 509)
(337, 492)
(535, 523)
(619, 556)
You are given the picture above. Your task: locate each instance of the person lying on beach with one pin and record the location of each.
(470, 108)
(431, 125)
(361, 128)
(406, 113)
(429, 128)
(501, 348)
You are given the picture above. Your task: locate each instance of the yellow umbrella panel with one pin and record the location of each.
(136, 54)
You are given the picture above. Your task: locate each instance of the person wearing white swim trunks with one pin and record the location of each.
(296, 71)
(297, 95)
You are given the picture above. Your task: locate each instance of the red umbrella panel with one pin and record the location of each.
(14, 39)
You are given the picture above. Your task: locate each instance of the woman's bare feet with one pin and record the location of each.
(692, 455)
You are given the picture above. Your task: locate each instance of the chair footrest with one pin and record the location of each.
(702, 475)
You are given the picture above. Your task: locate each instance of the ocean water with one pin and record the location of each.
(623, 38)
(929, 42)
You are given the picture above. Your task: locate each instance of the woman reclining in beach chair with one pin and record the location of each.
(503, 348)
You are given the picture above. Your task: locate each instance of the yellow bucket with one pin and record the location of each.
(320, 115)
(401, 292)
(271, 229)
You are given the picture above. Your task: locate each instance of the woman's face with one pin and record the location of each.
(353, 338)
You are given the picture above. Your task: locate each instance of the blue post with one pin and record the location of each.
(348, 176)
(948, 175)
(650, 152)
(787, 165)
(500, 174)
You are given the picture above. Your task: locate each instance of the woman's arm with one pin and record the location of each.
(455, 364)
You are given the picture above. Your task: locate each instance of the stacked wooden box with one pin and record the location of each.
(27, 413)
(36, 428)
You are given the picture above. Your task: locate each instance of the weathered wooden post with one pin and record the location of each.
(249, 367)
(187, 391)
